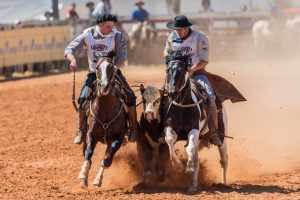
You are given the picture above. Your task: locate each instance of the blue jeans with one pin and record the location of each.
(86, 89)
(203, 80)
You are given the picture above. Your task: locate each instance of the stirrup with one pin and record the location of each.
(79, 137)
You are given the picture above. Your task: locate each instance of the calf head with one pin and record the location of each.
(151, 102)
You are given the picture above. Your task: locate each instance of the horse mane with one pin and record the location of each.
(178, 55)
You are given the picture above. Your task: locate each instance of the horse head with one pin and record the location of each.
(105, 72)
(151, 101)
(177, 65)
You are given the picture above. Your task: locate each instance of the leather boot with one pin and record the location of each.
(132, 118)
(81, 126)
(213, 123)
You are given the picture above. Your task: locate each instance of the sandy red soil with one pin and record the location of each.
(39, 161)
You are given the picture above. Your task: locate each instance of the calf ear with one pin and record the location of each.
(142, 88)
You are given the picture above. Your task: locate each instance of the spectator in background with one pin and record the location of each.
(103, 7)
(91, 18)
(173, 6)
(73, 19)
(139, 14)
(206, 5)
(72, 13)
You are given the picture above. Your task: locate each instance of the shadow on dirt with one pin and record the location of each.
(214, 189)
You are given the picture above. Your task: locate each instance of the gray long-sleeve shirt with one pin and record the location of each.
(120, 44)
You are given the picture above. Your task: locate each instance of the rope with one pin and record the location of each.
(73, 93)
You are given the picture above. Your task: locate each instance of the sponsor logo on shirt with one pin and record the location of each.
(99, 47)
(185, 50)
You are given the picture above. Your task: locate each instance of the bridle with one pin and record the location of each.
(98, 68)
(182, 86)
(105, 125)
(173, 101)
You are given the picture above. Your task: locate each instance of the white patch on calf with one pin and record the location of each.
(152, 97)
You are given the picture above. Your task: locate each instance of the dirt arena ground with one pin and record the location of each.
(39, 161)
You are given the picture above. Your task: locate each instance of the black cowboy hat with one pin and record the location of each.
(106, 17)
(90, 3)
(179, 22)
(139, 3)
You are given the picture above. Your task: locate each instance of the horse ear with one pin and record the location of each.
(111, 54)
(142, 88)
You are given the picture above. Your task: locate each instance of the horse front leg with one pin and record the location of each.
(171, 138)
(193, 160)
(192, 150)
(110, 152)
(83, 174)
(194, 187)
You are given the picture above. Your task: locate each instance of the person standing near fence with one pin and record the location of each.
(73, 18)
(103, 7)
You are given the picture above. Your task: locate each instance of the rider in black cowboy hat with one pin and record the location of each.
(194, 43)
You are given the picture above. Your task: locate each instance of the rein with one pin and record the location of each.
(73, 94)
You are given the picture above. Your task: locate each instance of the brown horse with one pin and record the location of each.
(106, 120)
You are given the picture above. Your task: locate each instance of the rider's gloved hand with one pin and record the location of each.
(73, 65)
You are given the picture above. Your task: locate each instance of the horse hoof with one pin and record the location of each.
(97, 183)
(85, 184)
(192, 189)
(147, 173)
(82, 176)
(189, 170)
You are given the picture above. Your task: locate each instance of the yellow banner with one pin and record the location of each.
(33, 45)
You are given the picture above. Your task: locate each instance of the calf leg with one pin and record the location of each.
(148, 156)
(162, 161)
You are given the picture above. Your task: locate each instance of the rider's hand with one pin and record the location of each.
(73, 65)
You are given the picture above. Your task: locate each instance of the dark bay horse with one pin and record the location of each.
(186, 119)
(106, 120)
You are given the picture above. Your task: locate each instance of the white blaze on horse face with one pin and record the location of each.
(104, 78)
(152, 97)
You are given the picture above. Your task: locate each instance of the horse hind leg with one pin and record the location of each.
(223, 151)
(111, 150)
(223, 162)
